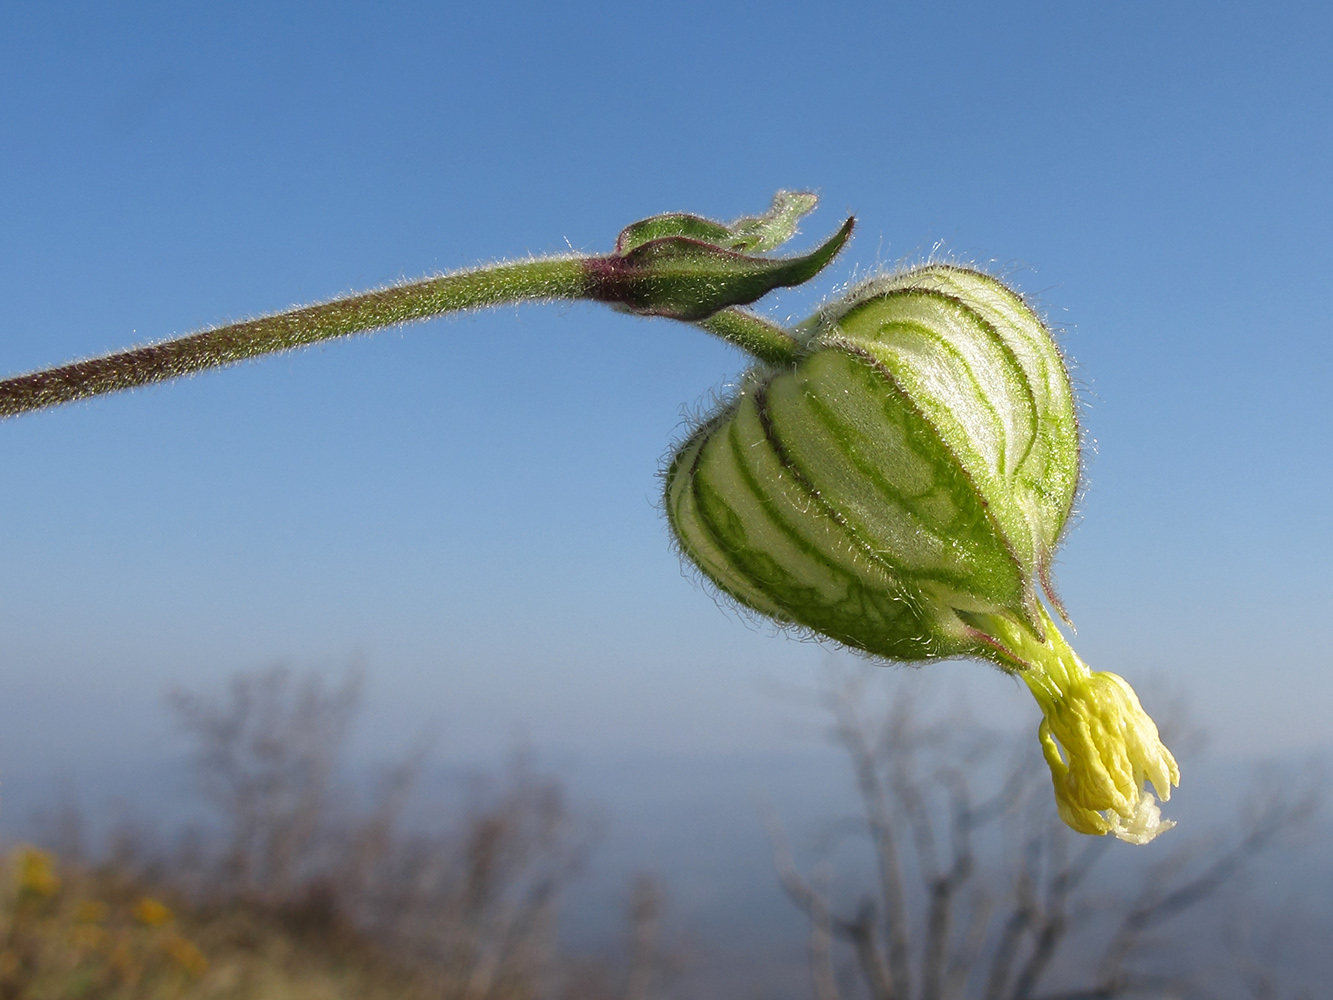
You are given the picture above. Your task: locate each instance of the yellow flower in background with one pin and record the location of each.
(187, 957)
(151, 913)
(90, 911)
(37, 872)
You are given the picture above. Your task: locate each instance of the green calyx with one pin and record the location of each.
(919, 458)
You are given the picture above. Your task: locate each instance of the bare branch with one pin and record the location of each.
(1156, 906)
(851, 732)
(821, 940)
(967, 954)
(812, 900)
(944, 888)
(860, 931)
(1055, 916)
(646, 904)
(1021, 918)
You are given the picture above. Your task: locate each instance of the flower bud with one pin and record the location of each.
(901, 488)
(688, 268)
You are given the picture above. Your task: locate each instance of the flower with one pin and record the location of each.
(1113, 750)
(152, 913)
(900, 486)
(37, 875)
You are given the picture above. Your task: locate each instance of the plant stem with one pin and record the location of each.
(758, 336)
(500, 284)
(541, 280)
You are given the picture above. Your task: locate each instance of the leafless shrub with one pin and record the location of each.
(265, 757)
(984, 894)
(469, 903)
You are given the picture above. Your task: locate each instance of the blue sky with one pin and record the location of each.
(469, 507)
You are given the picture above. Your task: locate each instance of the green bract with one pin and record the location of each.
(685, 267)
(900, 486)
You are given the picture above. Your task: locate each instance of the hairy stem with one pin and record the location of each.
(543, 280)
(758, 336)
(536, 280)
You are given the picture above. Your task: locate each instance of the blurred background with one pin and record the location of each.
(464, 513)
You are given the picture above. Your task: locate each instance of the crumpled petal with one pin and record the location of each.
(1111, 751)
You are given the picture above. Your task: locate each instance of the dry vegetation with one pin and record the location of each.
(294, 895)
(970, 888)
(978, 892)
(73, 932)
